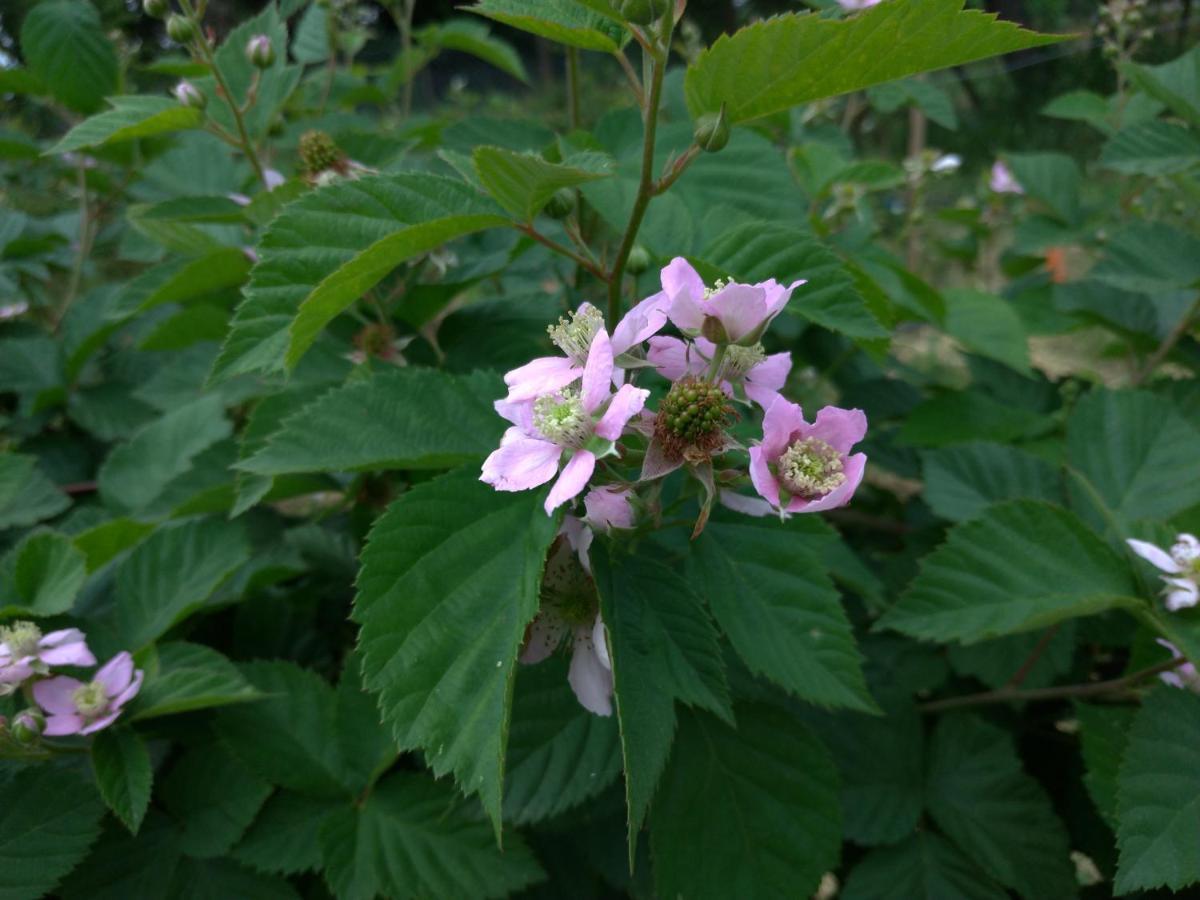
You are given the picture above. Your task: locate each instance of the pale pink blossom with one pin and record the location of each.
(26, 652)
(803, 467)
(609, 507)
(1181, 565)
(855, 5)
(77, 708)
(1184, 676)
(745, 371)
(272, 179)
(590, 675)
(1002, 180)
(729, 313)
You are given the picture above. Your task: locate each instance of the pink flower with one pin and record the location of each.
(584, 423)
(272, 179)
(855, 5)
(1182, 567)
(800, 467)
(744, 370)
(78, 708)
(590, 675)
(25, 652)
(609, 507)
(1184, 676)
(1002, 180)
(729, 313)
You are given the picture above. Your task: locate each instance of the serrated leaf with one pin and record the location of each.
(27, 496)
(769, 592)
(190, 677)
(327, 249)
(987, 325)
(559, 754)
(103, 543)
(998, 815)
(170, 575)
(180, 280)
(1158, 795)
(41, 576)
(123, 774)
(1152, 148)
(412, 418)
(1103, 736)
(994, 662)
(413, 837)
(562, 21)
(745, 812)
(48, 818)
(1053, 178)
(130, 118)
(213, 797)
(1175, 83)
(961, 481)
(285, 838)
(474, 38)
(214, 209)
(524, 182)
(924, 867)
(64, 45)
(1150, 257)
(791, 59)
(663, 649)
(450, 579)
(1019, 566)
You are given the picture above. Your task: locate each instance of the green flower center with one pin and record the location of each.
(573, 336)
(90, 699)
(693, 414)
(561, 418)
(740, 360)
(810, 469)
(22, 639)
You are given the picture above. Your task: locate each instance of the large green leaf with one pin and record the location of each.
(64, 44)
(49, 817)
(745, 812)
(123, 774)
(450, 579)
(1176, 83)
(130, 118)
(412, 418)
(326, 250)
(1131, 456)
(467, 36)
(187, 677)
(41, 576)
(1017, 567)
(180, 280)
(791, 59)
(285, 838)
(1158, 795)
(925, 867)
(1053, 178)
(524, 182)
(1152, 148)
(987, 325)
(769, 592)
(961, 481)
(27, 496)
(412, 837)
(663, 648)
(563, 21)
(998, 815)
(1103, 736)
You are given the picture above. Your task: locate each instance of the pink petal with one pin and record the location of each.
(521, 464)
(545, 634)
(609, 507)
(597, 374)
(856, 465)
(1184, 596)
(783, 419)
(760, 473)
(57, 695)
(645, 319)
(60, 726)
(750, 506)
(574, 478)
(687, 314)
(544, 375)
(771, 373)
(130, 692)
(580, 537)
(742, 309)
(674, 358)
(840, 428)
(99, 724)
(116, 674)
(1157, 557)
(519, 412)
(1171, 647)
(591, 681)
(777, 296)
(679, 279)
(626, 404)
(66, 648)
(600, 643)
(14, 673)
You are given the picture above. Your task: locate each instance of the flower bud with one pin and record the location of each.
(181, 29)
(643, 12)
(639, 260)
(561, 204)
(259, 51)
(27, 726)
(156, 9)
(712, 131)
(713, 329)
(189, 95)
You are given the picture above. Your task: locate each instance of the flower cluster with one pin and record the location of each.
(582, 421)
(70, 706)
(1181, 565)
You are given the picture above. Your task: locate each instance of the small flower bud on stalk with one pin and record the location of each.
(156, 9)
(27, 726)
(181, 29)
(561, 204)
(644, 12)
(259, 52)
(190, 95)
(712, 132)
(639, 260)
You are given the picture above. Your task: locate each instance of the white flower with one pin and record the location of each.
(1181, 565)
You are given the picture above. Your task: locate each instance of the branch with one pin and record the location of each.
(564, 250)
(1168, 343)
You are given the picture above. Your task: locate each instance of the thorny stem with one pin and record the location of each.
(646, 181)
(1168, 343)
(564, 250)
(1012, 695)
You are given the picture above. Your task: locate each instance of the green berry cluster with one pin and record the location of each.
(693, 414)
(318, 152)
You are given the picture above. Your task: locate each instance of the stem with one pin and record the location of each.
(677, 168)
(404, 23)
(646, 181)
(714, 367)
(1031, 660)
(1011, 695)
(572, 88)
(916, 146)
(631, 76)
(86, 236)
(1168, 343)
(564, 250)
(223, 86)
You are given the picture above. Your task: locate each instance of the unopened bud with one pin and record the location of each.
(189, 95)
(259, 51)
(27, 726)
(712, 131)
(639, 260)
(156, 9)
(643, 12)
(181, 29)
(713, 329)
(561, 204)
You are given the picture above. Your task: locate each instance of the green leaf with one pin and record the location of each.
(1080, 106)
(559, 754)
(1150, 257)
(130, 118)
(467, 36)
(663, 649)
(123, 774)
(1158, 795)
(791, 59)
(929, 98)
(769, 592)
(327, 249)
(41, 576)
(169, 576)
(1053, 178)
(450, 579)
(180, 280)
(994, 662)
(1104, 735)
(562, 21)
(103, 543)
(137, 472)
(1019, 566)
(48, 818)
(924, 867)
(745, 812)
(1152, 148)
(212, 797)
(961, 416)
(961, 481)
(285, 838)
(1132, 456)
(64, 45)
(218, 210)
(190, 677)
(998, 815)
(1176, 83)
(755, 252)
(27, 496)
(411, 418)
(413, 837)
(987, 325)
(524, 182)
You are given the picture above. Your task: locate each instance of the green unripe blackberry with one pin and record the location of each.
(319, 153)
(693, 416)
(639, 260)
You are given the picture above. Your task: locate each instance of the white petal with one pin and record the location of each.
(1157, 557)
(589, 679)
